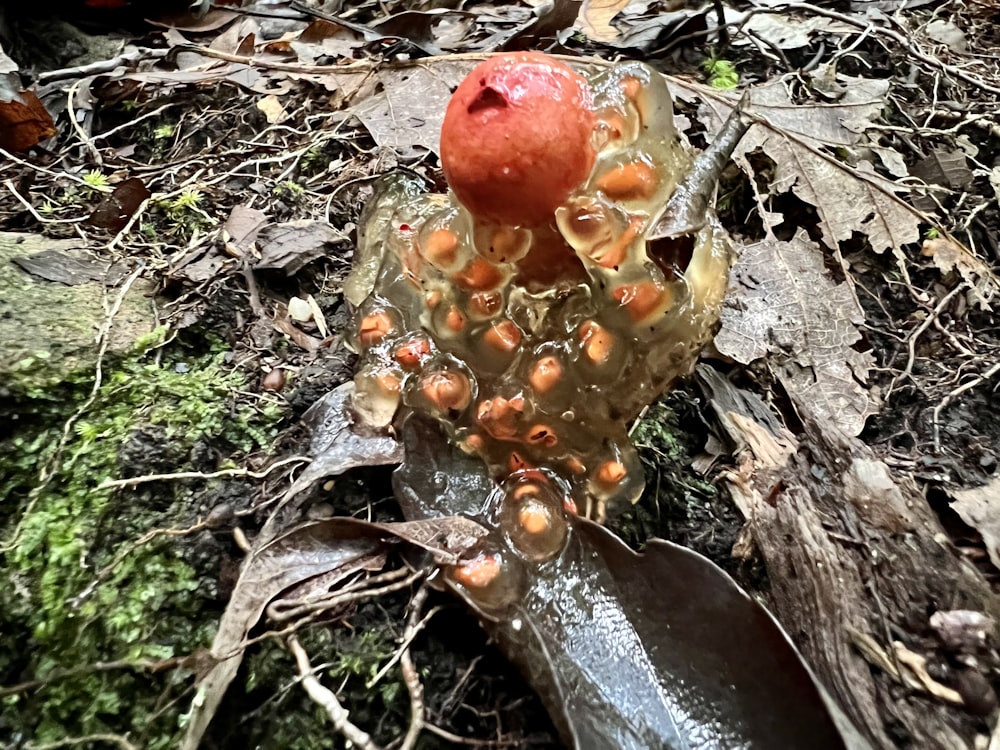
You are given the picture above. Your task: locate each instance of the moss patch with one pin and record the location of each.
(97, 636)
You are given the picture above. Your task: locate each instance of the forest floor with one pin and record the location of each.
(175, 241)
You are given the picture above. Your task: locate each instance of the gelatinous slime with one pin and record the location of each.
(534, 347)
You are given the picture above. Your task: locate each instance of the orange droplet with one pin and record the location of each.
(479, 275)
(455, 320)
(374, 327)
(499, 417)
(503, 336)
(485, 304)
(410, 353)
(611, 473)
(631, 86)
(613, 255)
(433, 299)
(440, 248)
(534, 518)
(388, 381)
(447, 390)
(507, 244)
(641, 299)
(569, 505)
(629, 181)
(545, 374)
(575, 465)
(479, 572)
(597, 342)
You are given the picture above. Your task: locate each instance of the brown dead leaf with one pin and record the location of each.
(949, 256)
(800, 140)
(24, 122)
(596, 16)
(241, 228)
(117, 208)
(783, 305)
(980, 509)
(409, 108)
(292, 245)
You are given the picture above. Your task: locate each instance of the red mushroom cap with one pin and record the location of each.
(516, 138)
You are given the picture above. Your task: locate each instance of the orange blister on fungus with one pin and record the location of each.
(610, 473)
(480, 275)
(503, 336)
(516, 138)
(410, 353)
(628, 182)
(485, 304)
(641, 299)
(500, 417)
(479, 572)
(597, 342)
(447, 390)
(545, 374)
(440, 248)
(455, 319)
(534, 518)
(374, 328)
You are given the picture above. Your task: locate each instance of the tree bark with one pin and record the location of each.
(857, 562)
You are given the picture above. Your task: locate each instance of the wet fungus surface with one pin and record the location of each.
(525, 311)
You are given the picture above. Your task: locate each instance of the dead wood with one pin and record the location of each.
(857, 562)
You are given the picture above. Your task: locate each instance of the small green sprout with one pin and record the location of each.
(722, 74)
(95, 180)
(164, 131)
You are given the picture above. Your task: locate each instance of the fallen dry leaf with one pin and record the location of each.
(980, 509)
(800, 141)
(783, 305)
(241, 228)
(291, 245)
(24, 122)
(595, 19)
(949, 256)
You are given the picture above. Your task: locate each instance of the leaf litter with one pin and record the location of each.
(825, 146)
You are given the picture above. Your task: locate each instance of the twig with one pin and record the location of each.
(31, 209)
(133, 481)
(951, 396)
(101, 666)
(103, 66)
(911, 341)
(111, 739)
(411, 678)
(325, 698)
(71, 111)
(283, 610)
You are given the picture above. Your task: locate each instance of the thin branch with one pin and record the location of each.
(326, 700)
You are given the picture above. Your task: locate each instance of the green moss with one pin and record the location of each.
(67, 612)
(676, 500)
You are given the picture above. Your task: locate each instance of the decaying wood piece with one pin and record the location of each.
(857, 564)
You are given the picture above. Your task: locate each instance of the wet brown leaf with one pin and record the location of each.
(115, 210)
(980, 509)
(409, 108)
(241, 229)
(783, 305)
